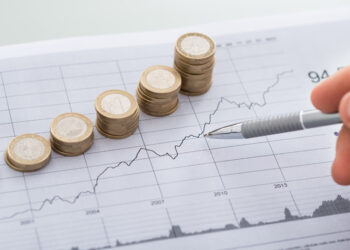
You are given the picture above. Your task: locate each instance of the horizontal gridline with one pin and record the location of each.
(108, 191)
(115, 81)
(151, 118)
(62, 90)
(155, 171)
(142, 118)
(264, 141)
(170, 169)
(194, 98)
(228, 46)
(183, 97)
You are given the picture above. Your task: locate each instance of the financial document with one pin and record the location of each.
(167, 186)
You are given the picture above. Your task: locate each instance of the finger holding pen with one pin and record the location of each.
(333, 95)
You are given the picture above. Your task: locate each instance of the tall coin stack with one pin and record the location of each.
(28, 152)
(117, 114)
(71, 134)
(195, 60)
(157, 91)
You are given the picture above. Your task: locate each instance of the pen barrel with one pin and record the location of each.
(272, 125)
(315, 118)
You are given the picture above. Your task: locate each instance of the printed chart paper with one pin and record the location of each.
(166, 186)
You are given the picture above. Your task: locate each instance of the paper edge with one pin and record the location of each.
(170, 35)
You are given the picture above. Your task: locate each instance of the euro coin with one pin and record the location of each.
(195, 60)
(117, 114)
(157, 91)
(71, 134)
(28, 152)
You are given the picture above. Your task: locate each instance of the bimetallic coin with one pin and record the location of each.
(115, 104)
(196, 47)
(71, 134)
(117, 114)
(157, 92)
(28, 152)
(160, 79)
(195, 60)
(70, 127)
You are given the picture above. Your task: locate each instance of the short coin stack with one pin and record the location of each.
(157, 91)
(117, 114)
(195, 60)
(71, 134)
(28, 152)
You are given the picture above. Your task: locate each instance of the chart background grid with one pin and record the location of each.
(166, 174)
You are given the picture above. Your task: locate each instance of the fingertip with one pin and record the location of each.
(320, 98)
(340, 172)
(345, 69)
(344, 109)
(341, 165)
(316, 98)
(326, 95)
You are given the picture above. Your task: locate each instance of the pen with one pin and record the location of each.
(275, 125)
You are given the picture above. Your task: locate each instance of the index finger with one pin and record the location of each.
(327, 95)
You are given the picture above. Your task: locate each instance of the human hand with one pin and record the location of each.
(333, 95)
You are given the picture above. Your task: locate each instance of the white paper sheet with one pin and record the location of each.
(166, 186)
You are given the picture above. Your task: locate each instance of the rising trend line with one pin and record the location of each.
(173, 156)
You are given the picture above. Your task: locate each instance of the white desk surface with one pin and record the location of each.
(25, 21)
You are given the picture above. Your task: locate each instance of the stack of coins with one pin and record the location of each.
(28, 152)
(71, 134)
(117, 114)
(195, 60)
(157, 91)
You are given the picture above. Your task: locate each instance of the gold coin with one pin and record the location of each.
(190, 75)
(194, 69)
(158, 113)
(194, 84)
(161, 79)
(116, 128)
(71, 150)
(115, 104)
(195, 47)
(117, 114)
(157, 92)
(71, 134)
(113, 136)
(28, 152)
(194, 60)
(157, 101)
(197, 91)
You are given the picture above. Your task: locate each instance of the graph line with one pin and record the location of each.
(50, 201)
(329, 207)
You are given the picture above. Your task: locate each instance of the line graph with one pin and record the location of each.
(172, 156)
(331, 207)
(337, 206)
(167, 181)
